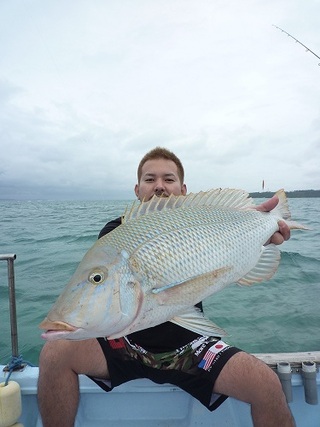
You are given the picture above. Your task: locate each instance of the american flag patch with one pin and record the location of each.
(210, 354)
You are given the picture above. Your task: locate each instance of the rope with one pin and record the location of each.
(16, 362)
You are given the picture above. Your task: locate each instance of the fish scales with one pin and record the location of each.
(167, 255)
(195, 233)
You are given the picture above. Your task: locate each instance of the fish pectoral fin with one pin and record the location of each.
(265, 267)
(195, 321)
(194, 286)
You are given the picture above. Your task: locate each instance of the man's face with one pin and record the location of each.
(159, 177)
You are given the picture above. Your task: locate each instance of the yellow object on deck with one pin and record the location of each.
(10, 404)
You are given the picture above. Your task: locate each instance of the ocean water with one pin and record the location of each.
(51, 237)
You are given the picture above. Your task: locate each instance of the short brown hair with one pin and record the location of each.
(161, 153)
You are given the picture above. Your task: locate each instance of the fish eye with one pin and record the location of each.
(97, 277)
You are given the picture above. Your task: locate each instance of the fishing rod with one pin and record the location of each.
(297, 41)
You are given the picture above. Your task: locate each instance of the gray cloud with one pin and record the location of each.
(86, 90)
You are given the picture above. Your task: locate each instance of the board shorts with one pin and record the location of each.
(194, 367)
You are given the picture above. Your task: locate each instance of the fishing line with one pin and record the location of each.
(297, 41)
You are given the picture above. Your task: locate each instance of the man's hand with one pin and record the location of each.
(284, 231)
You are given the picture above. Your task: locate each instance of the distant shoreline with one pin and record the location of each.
(255, 195)
(290, 194)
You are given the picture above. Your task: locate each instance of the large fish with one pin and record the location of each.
(167, 255)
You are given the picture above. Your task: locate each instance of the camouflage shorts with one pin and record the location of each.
(193, 367)
(188, 358)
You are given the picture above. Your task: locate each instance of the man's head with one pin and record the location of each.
(160, 172)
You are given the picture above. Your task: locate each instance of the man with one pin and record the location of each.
(152, 352)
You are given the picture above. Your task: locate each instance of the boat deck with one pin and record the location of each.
(141, 403)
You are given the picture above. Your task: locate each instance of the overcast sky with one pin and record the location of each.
(88, 86)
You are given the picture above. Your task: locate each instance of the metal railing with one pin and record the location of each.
(12, 302)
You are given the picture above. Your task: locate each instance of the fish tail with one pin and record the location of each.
(282, 210)
(293, 225)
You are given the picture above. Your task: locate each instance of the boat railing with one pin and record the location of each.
(12, 302)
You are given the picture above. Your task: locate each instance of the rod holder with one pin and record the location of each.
(12, 301)
(309, 376)
(285, 374)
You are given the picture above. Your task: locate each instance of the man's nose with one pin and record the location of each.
(159, 185)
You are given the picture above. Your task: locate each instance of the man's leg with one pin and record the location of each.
(248, 379)
(58, 386)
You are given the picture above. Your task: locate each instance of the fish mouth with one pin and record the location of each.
(56, 329)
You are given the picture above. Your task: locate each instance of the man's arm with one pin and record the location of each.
(109, 227)
(284, 231)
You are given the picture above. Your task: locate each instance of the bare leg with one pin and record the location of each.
(58, 386)
(248, 379)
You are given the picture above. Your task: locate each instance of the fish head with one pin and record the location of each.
(102, 298)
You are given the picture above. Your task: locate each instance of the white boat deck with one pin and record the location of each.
(141, 403)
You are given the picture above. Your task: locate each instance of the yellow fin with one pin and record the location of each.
(282, 210)
(195, 321)
(196, 286)
(265, 268)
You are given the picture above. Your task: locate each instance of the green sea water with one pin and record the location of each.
(51, 237)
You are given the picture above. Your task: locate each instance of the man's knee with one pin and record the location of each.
(247, 378)
(81, 357)
(54, 354)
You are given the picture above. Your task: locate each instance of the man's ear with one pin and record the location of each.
(136, 190)
(184, 189)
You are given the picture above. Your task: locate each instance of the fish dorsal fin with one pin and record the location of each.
(195, 321)
(217, 198)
